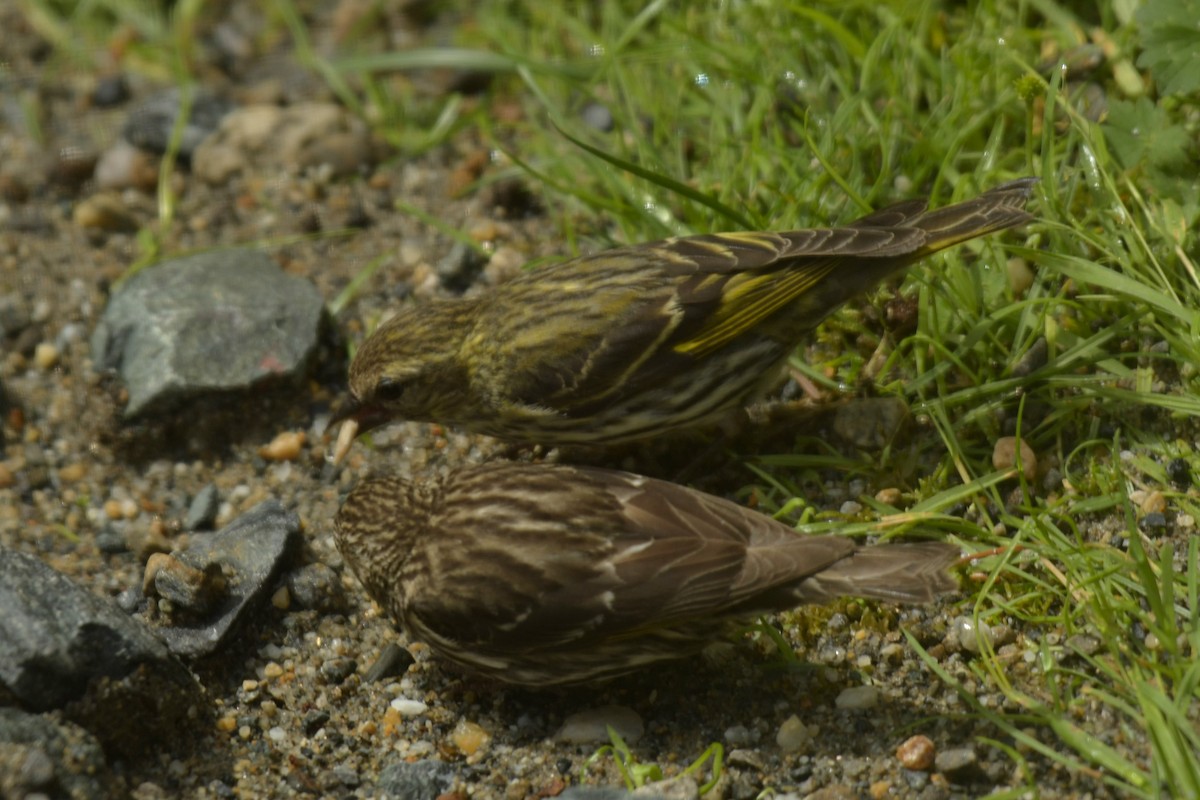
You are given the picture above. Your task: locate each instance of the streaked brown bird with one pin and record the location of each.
(637, 341)
(541, 574)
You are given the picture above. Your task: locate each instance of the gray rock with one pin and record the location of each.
(202, 512)
(58, 637)
(393, 662)
(458, 269)
(250, 552)
(960, 765)
(150, 124)
(318, 587)
(214, 322)
(38, 756)
(419, 780)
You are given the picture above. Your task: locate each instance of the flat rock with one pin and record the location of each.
(250, 553)
(214, 322)
(58, 637)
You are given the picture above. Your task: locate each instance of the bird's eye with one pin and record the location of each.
(388, 390)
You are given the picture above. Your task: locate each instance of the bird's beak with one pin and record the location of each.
(356, 417)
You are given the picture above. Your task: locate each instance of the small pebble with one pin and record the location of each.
(890, 496)
(272, 670)
(1179, 473)
(1004, 456)
(970, 633)
(314, 721)
(336, 670)
(1083, 644)
(409, 708)
(196, 590)
(916, 753)
(156, 562)
(45, 356)
(7, 478)
(202, 511)
(1020, 276)
(960, 765)
(591, 725)
(793, 735)
(743, 758)
(469, 738)
(73, 472)
(287, 446)
(393, 661)
(104, 212)
(738, 736)
(857, 698)
(1154, 522)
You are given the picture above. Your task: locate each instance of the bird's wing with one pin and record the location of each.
(739, 280)
(643, 312)
(649, 554)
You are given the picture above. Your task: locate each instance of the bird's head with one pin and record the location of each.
(409, 368)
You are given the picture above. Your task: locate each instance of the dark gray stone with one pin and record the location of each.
(214, 322)
(58, 637)
(458, 269)
(111, 540)
(347, 776)
(318, 587)
(150, 124)
(336, 670)
(39, 756)
(419, 780)
(960, 765)
(250, 552)
(393, 662)
(202, 512)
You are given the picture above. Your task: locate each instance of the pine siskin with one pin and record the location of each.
(637, 341)
(542, 574)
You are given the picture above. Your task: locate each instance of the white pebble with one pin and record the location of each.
(857, 698)
(586, 727)
(969, 633)
(409, 708)
(276, 734)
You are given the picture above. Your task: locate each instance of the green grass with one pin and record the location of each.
(785, 115)
(790, 114)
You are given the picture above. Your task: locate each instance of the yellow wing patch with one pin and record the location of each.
(749, 299)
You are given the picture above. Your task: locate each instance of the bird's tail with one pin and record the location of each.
(994, 210)
(900, 573)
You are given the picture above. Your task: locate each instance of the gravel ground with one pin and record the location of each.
(285, 705)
